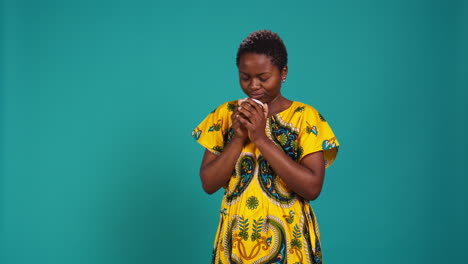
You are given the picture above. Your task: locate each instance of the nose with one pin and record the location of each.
(255, 84)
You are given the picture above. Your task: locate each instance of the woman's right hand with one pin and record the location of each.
(239, 129)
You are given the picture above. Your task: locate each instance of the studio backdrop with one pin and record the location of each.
(98, 100)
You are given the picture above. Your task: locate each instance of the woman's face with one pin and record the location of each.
(259, 77)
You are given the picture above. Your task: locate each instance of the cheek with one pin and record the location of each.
(274, 86)
(244, 84)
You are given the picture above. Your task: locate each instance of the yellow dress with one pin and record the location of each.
(261, 220)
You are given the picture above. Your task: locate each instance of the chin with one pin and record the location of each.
(264, 100)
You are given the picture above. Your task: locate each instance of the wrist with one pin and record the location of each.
(236, 139)
(261, 141)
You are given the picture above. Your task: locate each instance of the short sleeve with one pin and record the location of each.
(315, 135)
(211, 133)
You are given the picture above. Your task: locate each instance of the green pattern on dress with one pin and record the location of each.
(214, 127)
(295, 242)
(196, 133)
(261, 244)
(312, 129)
(243, 228)
(243, 176)
(218, 149)
(299, 109)
(322, 118)
(289, 218)
(256, 228)
(286, 136)
(252, 203)
(231, 107)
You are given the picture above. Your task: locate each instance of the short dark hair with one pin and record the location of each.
(264, 42)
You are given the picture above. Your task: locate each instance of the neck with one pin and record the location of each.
(277, 105)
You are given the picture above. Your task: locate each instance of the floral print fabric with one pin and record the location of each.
(261, 220)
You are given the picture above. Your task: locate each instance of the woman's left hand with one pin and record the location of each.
(252, 116)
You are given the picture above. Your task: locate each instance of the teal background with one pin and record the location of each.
(98, 100)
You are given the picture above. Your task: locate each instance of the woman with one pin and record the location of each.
(270, 155)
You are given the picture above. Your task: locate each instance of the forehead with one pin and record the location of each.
(253, 62)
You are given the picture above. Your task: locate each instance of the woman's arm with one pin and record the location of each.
(304, 178)
(215, 170)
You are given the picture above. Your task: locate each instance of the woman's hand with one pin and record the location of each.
(252, 117)
(239, 130)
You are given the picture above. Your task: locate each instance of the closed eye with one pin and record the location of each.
(244, 77)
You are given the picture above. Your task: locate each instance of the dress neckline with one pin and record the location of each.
(288, 108)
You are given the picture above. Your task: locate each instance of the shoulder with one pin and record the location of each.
(225, 107)
(303, 109)
(300, 107)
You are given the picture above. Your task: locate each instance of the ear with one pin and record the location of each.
(284, 73)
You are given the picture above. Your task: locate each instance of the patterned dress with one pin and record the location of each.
(261, 220)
